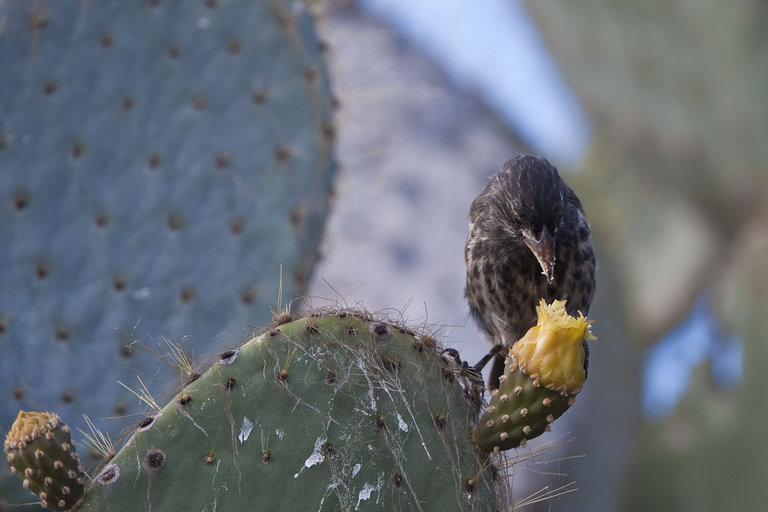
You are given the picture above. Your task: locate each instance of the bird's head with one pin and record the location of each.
(536, 197)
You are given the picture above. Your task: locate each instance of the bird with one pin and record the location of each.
(528, 240)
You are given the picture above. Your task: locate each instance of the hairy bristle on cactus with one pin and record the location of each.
(544, 371)
(159, 162)
(332, 411)
(40, 452)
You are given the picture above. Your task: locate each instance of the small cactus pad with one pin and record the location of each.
(41, 453)
(333, 411)
(544, 371)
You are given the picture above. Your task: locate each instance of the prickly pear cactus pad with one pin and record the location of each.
(327, 413)
(40, 452)
(543, 374)
(159, 162)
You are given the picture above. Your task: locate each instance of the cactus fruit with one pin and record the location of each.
(544, 372)
(40, 451)
(159, 162)
(333, 411)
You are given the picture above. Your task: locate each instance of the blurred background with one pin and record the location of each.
(656, 115)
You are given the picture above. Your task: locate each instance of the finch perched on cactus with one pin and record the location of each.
(528, 240)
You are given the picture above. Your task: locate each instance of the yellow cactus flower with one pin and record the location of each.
(552, 351)
(30, 426)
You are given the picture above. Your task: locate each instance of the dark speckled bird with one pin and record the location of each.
(528, 239)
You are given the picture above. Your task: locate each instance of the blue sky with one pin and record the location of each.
(493, 49)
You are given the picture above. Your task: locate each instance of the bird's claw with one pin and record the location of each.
(470, 372)
(478, 367)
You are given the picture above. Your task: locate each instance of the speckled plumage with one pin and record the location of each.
(505, 280)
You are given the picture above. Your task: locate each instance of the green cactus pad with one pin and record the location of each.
(330, 412)
(40, 452)
(160, 162)
(519, 410)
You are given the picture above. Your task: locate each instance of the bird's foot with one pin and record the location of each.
(471, 372)
(471, 378)
(478, 367)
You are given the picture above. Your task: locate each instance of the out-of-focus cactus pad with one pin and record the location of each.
(159, 162)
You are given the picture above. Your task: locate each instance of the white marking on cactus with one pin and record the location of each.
(186, 415)
(316, 458)
(280, 433)
(138, 464)
(401, 424)
(245, 430)
(207, 401)
(356, 469)
(364, 494)
(399, 389)
(367, 491)
(142, 294)
(361, 365)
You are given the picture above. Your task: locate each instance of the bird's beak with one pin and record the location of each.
(543, 247)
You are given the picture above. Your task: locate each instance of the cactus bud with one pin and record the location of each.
(41, 453)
